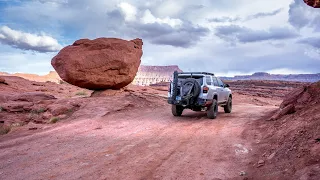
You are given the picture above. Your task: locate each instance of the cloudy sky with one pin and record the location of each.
(226, 37)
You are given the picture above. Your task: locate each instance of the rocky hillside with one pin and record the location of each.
(24, 102)
(289, 142)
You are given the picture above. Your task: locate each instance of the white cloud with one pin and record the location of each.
(129, 11)
(286, 71)
(314, 53)
(149, 18)
(27, 41)
(169, 8)
(27, 62)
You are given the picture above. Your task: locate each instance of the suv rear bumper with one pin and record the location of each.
(200, 102)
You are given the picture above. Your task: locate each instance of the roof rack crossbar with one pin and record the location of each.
(206, 73)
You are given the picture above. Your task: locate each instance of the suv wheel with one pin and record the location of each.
(212, 111)
(228, 106)
(176, 110)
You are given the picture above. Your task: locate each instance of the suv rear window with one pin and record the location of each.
(198, 78)
(208, 80)
(220, 82)
(215, 82)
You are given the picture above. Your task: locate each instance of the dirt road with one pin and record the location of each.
(148, 144)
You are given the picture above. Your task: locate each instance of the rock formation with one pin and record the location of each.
(301, 99)
(103, 63)
(2, 80)
(154, 74)
(313, 3)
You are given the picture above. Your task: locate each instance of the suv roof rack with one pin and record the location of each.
(206, 73)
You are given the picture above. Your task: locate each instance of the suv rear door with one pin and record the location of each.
(211, 91)
(224, 93)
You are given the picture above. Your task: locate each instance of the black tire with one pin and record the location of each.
(176, 110)
(228, 106)
(212, 111)
(196, 87)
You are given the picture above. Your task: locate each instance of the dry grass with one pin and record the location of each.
(81, 93)
(38, 111)
(54, 120)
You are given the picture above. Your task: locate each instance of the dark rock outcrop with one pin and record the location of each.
(313, 3)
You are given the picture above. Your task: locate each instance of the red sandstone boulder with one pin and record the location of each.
(313, 3)
(3, 81)
(103, 63)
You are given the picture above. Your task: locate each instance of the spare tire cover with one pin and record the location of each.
(190, 85)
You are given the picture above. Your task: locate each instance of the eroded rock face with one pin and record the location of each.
(103, 63)
(154, 74)
(313, 3)
(299, 99)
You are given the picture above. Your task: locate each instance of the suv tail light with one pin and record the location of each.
(205, 89)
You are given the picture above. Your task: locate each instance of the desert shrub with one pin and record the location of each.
(32, 116)
(62, 82)
(4, 130)
(38, 111)
(81, 93)
(18, 124)
(54, 120)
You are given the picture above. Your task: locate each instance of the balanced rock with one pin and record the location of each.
(103, 63)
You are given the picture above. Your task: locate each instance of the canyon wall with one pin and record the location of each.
(154, 74)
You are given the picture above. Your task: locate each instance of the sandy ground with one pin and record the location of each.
(138, 143)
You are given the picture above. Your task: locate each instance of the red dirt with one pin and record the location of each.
(132, 144)
(131, 134)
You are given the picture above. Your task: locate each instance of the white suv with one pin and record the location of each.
(199, 91)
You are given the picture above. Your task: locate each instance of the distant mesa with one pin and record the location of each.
(261, 74)
(52, 76)
(154, 74)
(313, 3)
(103, 63)
(279, 77)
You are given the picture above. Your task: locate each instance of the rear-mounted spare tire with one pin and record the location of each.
(196, 86)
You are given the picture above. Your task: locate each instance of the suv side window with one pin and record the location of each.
(215, 82)
(209, 81)
(220, 82)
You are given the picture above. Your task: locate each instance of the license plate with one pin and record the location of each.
(178, 98)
